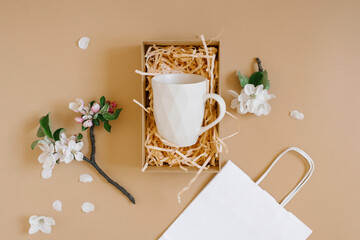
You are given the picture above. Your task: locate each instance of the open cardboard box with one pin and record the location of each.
(144, 48)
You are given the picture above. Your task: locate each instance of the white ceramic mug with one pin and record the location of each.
(179, 104)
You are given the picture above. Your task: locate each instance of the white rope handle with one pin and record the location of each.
(301, 183)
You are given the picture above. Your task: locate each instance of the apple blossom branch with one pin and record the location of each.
(102, 173)
(58, 148)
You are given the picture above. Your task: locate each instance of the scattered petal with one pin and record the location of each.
(83, 43)
(57, 205)
(296, 115)
(85, 178)
(88, 207)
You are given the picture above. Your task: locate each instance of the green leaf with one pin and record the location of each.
(266, 81)
(105, 108)
(96, 122)
(109, 116)
(117, 112)
(57, 134)
(45, 124)
(256, 78)
(34, 144)
(40, 133)
(91, 103)
(243, 79)
(79, 136)
(83, 128)
(107, 126)
(100, 117)
(102, 101)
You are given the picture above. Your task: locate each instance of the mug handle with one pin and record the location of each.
(222, 107)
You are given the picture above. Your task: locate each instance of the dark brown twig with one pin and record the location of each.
(102, 173)
(259, 64)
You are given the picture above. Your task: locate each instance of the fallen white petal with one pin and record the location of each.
(57, 205)
(83, 43)
(296, 115)
(88, 207)
(85, 178)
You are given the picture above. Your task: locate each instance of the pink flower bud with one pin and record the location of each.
(79, 119)
(95, 107)
(113, 104)
(87, 123)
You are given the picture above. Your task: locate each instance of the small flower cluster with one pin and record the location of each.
(56, 147)
(93, 113)
(252, 99)
(254, 96)
(63, 150)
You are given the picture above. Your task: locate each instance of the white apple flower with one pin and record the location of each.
(85, 110)
(252, 99)
(48, 158)
(62, 148)
(65, 140)
(235, 103)
(41, 223)
(87, 113)
(75, 149)
(69, 149)
(77, 106)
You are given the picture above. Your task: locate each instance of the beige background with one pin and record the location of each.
(310, 49)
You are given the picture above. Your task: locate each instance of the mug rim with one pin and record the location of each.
(198, 79)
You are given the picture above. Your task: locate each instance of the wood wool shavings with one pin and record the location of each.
(200, 60)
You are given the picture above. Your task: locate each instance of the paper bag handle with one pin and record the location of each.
(303, 180)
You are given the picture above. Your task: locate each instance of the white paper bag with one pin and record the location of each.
(232, 206)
